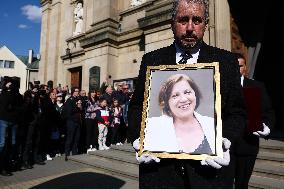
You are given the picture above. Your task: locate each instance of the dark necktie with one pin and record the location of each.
(184, 59)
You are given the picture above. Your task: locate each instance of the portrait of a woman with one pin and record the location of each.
(180, 128)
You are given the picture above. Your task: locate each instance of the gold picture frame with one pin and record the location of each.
(158, 135)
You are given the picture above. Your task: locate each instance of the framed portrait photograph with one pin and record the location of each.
(182, 112)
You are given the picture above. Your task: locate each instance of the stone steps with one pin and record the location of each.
(119, 160)
(265, 182)
(271, 146)
(268, 171)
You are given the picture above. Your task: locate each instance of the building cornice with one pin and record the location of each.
(44, 2)
(157, 15)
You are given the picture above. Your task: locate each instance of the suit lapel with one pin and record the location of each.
(205, 54)
(170, 56)
(246, 82)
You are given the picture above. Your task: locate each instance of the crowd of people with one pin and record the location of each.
(45, 123)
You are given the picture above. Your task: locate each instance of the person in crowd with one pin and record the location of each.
(82, 142)
(183, 129)
(126, 107)
(116, 117)
(247, 147)
(72, 113)
(10, 104)
(27, 117)
(189, 22)
(92, 131)
(123, 128)
(108, 95)
(58, 132)
(103, 118)
(33, 139)
(119, 94)
(125, 113)
(49, 122)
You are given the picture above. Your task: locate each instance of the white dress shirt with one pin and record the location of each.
(192, 60)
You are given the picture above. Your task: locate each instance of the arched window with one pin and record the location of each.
(94, 79)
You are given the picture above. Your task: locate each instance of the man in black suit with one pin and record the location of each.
(248, 146)
(189, 21)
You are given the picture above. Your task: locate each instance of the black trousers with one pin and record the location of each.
(243, 172)
(185, 174)
(72, 137)
(115, 135)
(92, 133)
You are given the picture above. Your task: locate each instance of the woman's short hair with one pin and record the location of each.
(167, 87)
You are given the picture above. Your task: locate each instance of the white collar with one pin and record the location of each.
(192, 60)
(242, 80)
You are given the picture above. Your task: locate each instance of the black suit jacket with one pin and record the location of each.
(249, 143)
(169, 172)
(233, 110)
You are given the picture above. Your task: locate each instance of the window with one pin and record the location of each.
(94, 78)
(1, 63)
(7, 64)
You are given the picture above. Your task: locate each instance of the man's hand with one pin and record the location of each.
(144, 158)
(265, 132)
(218, 162)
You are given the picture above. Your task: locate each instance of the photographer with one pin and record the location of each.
(10, 103)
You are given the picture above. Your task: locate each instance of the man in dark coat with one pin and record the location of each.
(10, 110)
(189, 21)
(248, 146)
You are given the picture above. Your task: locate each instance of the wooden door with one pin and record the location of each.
(76, 77)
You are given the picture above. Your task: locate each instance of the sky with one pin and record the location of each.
(20, 25)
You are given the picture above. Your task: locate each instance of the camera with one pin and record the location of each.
(15, 82)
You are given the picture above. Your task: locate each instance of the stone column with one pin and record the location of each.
(222, 24)
(53, 46)
(44, 41)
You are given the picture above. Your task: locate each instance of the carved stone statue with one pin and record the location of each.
(78, 19)
(136, 2)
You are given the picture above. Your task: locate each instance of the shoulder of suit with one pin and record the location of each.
(255, 82)
(163, 50)
(220, 53)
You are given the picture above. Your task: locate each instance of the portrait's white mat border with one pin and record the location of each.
(217, 110)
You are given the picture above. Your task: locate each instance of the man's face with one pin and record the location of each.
(82, 93)
(189, 24)
(76, 92)
(125, 88)
(242, 65)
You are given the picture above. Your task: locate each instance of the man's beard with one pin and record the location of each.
(188, 47)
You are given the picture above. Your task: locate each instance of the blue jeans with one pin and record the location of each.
(4, 131)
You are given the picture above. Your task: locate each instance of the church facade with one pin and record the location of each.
(86, 43)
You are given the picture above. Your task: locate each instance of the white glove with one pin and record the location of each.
(144, 158)
(263, 133)
(218, 162)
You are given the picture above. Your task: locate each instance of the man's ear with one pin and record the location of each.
(206, 26)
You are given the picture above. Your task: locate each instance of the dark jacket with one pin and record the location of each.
(171, 173)
(249, 143)
(233, 108)
(71, 111)
(10, 106)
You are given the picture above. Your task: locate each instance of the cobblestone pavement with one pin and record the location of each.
(59, 174)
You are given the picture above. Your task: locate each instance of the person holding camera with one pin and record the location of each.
(10, 103)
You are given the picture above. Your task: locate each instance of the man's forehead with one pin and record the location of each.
(184, 7)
